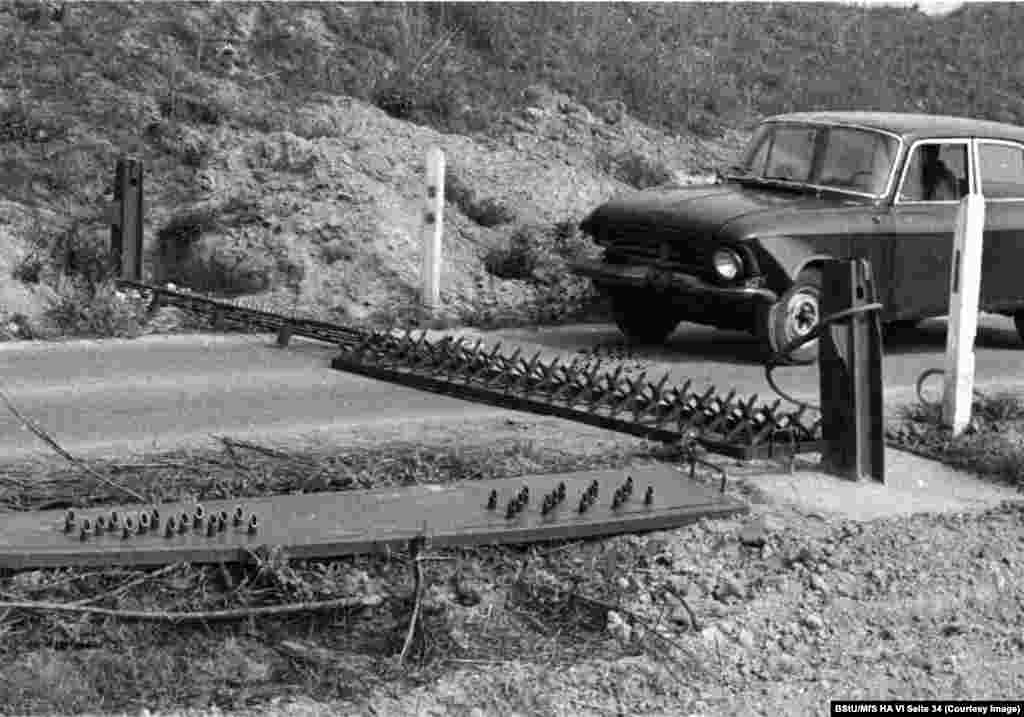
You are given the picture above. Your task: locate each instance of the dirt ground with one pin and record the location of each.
(772, 613)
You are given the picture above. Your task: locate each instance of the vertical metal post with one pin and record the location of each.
(126, 219)
(850, 366)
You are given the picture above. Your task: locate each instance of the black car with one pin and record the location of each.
(746, 252)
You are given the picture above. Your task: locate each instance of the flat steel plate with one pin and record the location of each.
(343, 523)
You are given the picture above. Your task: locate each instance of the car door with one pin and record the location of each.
(1000, 167)
(921, 224)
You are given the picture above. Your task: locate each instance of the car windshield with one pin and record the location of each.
(844, 158)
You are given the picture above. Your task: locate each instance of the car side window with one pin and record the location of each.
(936, 172)
(1001, 168)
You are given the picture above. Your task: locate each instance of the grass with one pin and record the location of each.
(992, 446)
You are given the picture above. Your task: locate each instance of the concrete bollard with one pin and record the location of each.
(964, 294)
(433, 229)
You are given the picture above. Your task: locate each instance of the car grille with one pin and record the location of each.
(688, 255)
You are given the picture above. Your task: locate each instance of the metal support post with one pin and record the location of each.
(126, 219)
(850, 366)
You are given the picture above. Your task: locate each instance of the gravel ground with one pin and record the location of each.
(792, 608)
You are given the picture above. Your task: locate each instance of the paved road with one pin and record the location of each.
(163, 392)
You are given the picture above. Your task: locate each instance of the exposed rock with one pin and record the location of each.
(746, 638)
(819, 583)
(730, 587)
(754, 534)
(813, 622)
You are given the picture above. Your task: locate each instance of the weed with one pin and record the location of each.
(337, 250)
(185, 229)
(98, 312)
(992, 445)
(487, 212)
(189, 108)
(518, 259)
(634, 168)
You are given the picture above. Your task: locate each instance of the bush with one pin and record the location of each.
(78, 254)
(217, 266)
(337, 250)
(97, 312)
(185, 229)
(633, 168)
(539, 253)
(198, 249)
(518, 259)
(488, 212)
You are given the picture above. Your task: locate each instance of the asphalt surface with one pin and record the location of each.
(164, 392)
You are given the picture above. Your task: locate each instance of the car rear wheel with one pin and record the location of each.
(1018, 321)
(641, 319)
(794, 316)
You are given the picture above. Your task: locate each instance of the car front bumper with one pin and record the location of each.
(669, 282)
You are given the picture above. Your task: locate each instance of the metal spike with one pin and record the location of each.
(522, 385)
(547, 376)
(483, 366)
(636, 387)
(569, 376)
(589, 385)
(453, 358)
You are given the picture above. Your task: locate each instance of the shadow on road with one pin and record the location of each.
(930, 337)
(695, 343)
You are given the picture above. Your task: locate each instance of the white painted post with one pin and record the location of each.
(964, 291)
(432, 229)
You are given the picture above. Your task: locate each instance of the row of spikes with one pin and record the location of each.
(248, 312)
(581, 384)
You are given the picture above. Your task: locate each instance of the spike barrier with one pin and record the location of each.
(581, 392)
(578, 391)
(323, 525)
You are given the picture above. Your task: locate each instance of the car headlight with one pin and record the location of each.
(727, 264)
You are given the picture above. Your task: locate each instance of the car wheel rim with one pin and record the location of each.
(803, 315)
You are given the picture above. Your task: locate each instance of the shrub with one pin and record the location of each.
(215, 265)
(79, 254)
(187, 228)
(634, 168)
(192, 109)
(98, 312)
(518, 259)
(199, 249)
(488, 212)
(336, 250)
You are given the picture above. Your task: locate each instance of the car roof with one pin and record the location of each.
(910, 126)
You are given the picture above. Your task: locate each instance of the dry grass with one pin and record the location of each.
(66, 662)
(992, 446)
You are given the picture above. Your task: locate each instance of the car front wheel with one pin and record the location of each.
(641, 319)
(794, 316)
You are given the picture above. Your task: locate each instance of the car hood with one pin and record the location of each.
(705, 210)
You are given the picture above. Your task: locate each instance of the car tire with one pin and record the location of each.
(795, 315)
(641, 319)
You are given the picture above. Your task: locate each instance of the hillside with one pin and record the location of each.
(283, 143)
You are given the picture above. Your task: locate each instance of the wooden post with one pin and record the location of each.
(126, 219)
(964, 291)
(432, 229)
